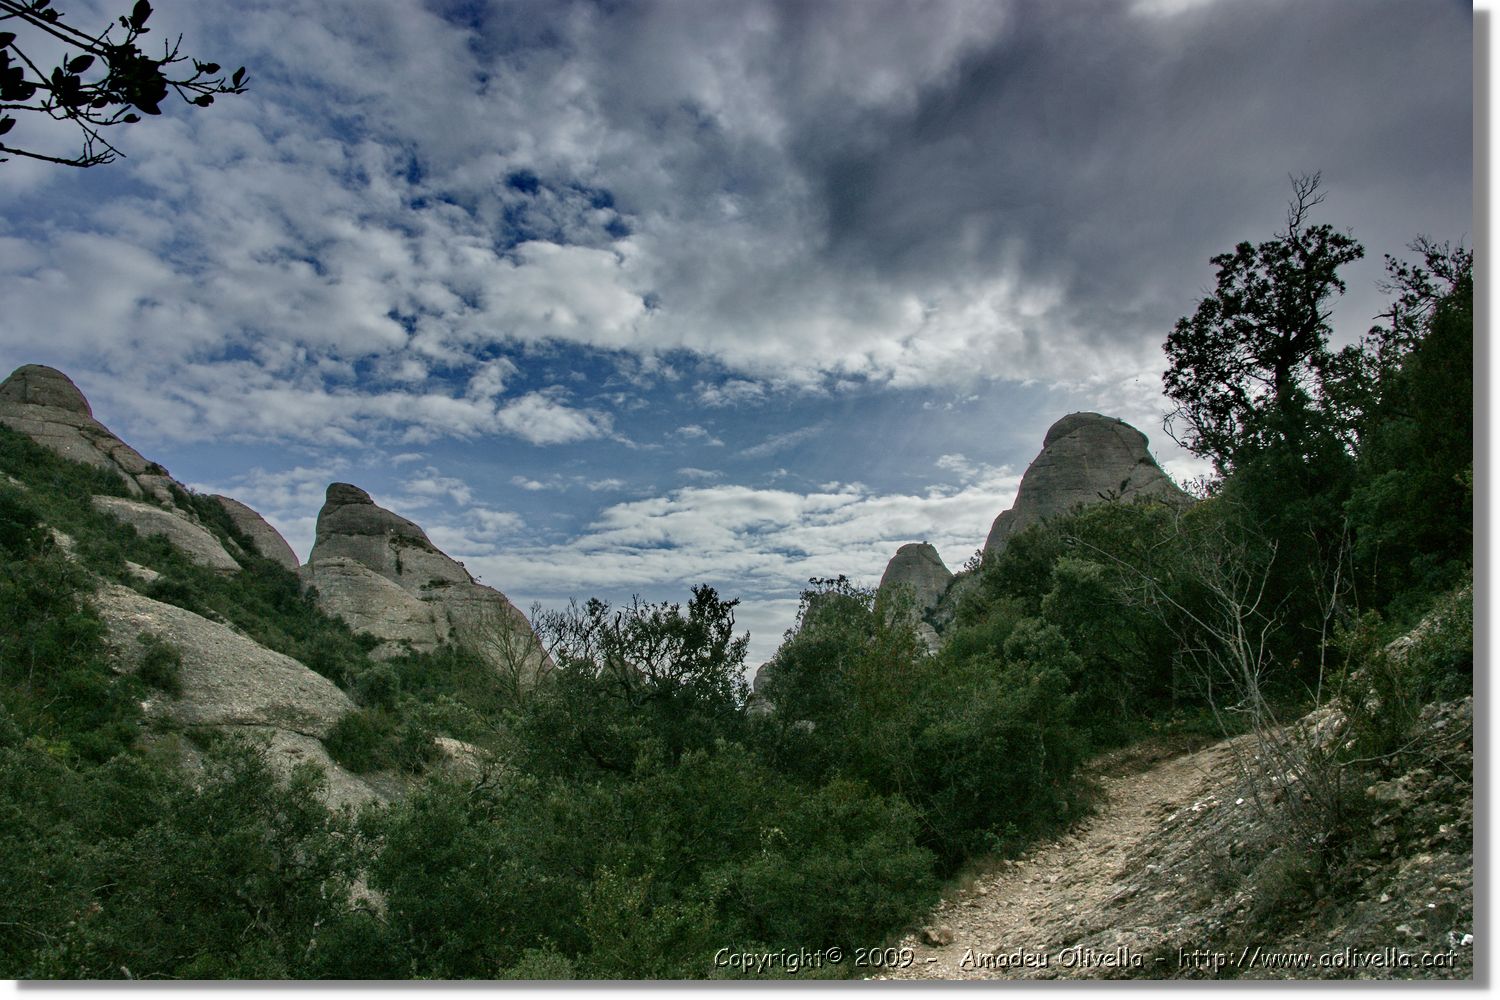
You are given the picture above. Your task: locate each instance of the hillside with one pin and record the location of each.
(1180, 873)
(216, 763)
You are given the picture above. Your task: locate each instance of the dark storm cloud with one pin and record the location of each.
(1115, 151)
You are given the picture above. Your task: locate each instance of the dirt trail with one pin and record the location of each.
(1050, 905)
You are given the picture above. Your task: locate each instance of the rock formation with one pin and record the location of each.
(918, 567)
(148, 519)
(381, 574)
(759, 703)
(47, 407)
(234, 684)
(229, 682)
(1085, 458)
(228, 679)
(266, 539)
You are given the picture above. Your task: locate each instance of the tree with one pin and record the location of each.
(1244, 367)
(1363, 376)
(99, 81)
(641, 675)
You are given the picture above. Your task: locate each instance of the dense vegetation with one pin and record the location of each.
(634, 817)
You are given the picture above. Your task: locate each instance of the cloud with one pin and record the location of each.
(698, 434)
(729, 392)
(542, 420)
(430, 484)
(780, 442)
(762, 545)
(809, 196)
(416, 226)
(969, 471)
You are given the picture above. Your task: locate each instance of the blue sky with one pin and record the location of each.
(615, 298)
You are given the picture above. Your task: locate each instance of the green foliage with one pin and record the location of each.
(56, 684)
(979, 740)
(1412, 506)
(374, 739)
(131, 870)
(160, 664)
(629, 676)
(1384, 688)
(1244, 368)
(645, 875)
(378, 686)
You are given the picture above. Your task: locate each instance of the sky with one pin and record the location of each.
(615, 298)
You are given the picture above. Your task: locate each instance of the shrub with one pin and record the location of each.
(160, 664)
(361, 740)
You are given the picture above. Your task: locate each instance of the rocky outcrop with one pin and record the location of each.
(381, 574)
(340, 788)
(759, 702)
(918, 567)
(462, 760)
(47, 407)
(1085, 458)
(235, 685)
(266, 539)
(148, 519)
(228, 679)
(918, 570)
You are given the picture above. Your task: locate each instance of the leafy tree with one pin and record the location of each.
(1411, 508)
(100, 81)
(643, 672)
(1362, 376)
(1244, 367)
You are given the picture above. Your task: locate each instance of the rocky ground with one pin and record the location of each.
(1183, 873)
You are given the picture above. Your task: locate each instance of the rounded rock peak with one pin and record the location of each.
(344, 494)
(919, 550)
(39, 385)
(1075, 422)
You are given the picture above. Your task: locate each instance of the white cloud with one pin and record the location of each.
(780, 442)
(540, 419)
(489, 378)
(729, 392)
(762, 545)
(811, 201)
(700, 435)
(430, 485)
(969, 471)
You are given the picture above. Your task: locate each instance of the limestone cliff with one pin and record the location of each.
(381, 574)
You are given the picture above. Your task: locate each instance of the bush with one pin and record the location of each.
(131, 871)
(644, 876)
(160, 664)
